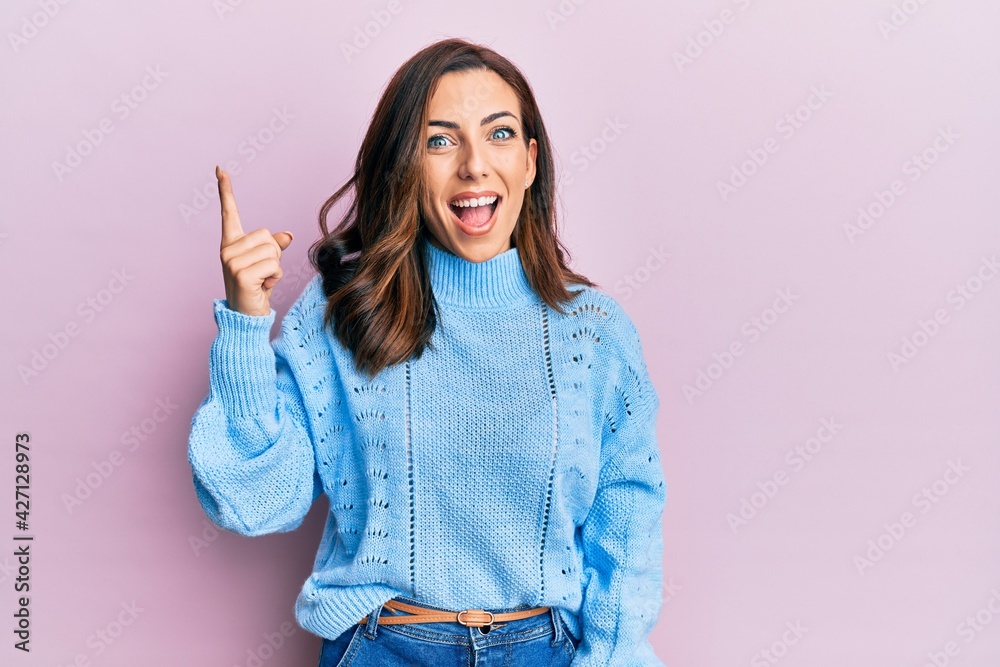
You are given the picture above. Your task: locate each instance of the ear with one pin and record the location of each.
(529, 174)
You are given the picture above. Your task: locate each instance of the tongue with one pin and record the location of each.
(475, 216)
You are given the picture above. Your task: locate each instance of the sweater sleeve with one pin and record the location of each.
(622, 534)
(250, 450)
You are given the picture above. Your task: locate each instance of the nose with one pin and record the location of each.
(473, 162)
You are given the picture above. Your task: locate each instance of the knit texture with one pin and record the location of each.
(514, 464)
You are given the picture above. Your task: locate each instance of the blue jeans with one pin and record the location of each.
(536, 641)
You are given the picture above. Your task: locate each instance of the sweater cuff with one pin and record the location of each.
(242, 370)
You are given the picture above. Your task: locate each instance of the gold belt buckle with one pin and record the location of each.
(485, 628)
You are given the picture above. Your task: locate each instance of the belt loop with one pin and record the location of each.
(557, 627)
(371, 628)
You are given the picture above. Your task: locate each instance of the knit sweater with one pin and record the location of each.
(514, 463)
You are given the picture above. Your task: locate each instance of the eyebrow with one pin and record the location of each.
(489, 119)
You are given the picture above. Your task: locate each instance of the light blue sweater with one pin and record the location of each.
(516, 463)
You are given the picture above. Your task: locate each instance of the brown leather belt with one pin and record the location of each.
(474, 618)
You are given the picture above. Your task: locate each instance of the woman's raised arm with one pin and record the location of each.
(250, 449)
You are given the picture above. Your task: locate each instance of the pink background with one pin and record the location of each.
(643, 139)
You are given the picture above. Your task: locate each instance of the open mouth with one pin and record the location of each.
(476, 216)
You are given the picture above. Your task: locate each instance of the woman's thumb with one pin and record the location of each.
(284, 239)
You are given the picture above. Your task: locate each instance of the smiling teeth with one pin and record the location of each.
(482, 201)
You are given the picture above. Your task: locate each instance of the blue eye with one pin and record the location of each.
(430, 141)
(504, 128)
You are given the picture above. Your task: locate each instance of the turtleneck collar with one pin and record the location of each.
(497, 282)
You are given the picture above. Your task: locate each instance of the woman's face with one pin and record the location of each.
(475, 149)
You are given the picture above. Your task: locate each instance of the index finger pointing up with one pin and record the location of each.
(231, 227)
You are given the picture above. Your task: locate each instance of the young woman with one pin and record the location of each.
(485, 435)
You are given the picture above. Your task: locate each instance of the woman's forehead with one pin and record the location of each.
(468, 97)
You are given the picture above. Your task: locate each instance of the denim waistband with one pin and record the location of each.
(454, 632)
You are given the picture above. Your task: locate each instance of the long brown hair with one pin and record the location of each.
(374, 273)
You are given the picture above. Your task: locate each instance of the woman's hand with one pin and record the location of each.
(250, 262)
